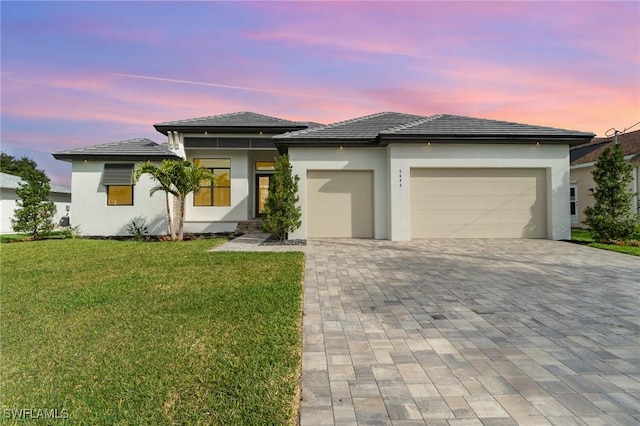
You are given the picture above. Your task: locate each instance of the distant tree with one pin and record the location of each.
(162, 175)
(179, 178)
(17, 167)
(281, 215)
(35, 211)
(612, 217)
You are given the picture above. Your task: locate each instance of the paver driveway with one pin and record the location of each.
(470, 332)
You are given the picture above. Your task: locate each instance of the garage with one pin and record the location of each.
(478, 203)
(340, 203)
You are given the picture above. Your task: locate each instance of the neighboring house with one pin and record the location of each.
(583, 159)
(60, 195)
(385, 176)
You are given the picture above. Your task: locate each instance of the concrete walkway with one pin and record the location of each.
(469, 332)
(251, 242)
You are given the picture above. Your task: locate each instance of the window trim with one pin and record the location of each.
(120, 205)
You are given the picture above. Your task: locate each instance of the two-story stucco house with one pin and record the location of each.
(386, 176)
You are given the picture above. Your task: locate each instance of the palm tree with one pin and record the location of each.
(162, 175)
(186, 178)
(178, 178)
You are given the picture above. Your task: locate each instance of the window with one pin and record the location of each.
(217, 191)
(118, 180)
(120, 195)
(265, 165)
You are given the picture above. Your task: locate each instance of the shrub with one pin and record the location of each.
(139, 230)
(281, 215)
(612, 217)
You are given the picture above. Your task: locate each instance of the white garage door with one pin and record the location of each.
(340, 203)
(478, 203)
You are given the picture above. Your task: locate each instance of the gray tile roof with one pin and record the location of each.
(362, 128)
(234, 120)
(12, 182)
(386, 127)
(455, 125)
(140, 148)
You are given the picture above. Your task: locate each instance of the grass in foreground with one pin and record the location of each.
(584, 236)
(120, 332)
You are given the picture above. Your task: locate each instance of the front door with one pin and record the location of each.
(262, 191)
(573, 203)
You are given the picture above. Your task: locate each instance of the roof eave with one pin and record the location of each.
(165, 129)
(386, 139)
(114, 157)
(324, 143)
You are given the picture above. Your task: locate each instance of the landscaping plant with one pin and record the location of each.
(179, 178)
(612, 217)
(35, 211)
(281, 215)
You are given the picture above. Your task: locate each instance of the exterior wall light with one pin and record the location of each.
(590, 192)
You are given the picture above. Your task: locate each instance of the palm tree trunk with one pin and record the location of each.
(172, 231)
(181, 227)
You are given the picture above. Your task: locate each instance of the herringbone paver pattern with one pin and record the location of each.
(454, 332)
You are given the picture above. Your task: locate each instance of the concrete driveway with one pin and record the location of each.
(470, 332)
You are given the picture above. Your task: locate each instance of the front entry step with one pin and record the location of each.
(253, 226)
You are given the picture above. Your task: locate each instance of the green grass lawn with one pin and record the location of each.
(120, 332)
(584, 236)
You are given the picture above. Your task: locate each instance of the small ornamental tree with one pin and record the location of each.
(35, 211)
(281, 215)
(179, 178)
(612, 217)
(161, 175)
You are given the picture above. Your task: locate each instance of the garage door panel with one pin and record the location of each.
(339, 204)
(489, 230)
(478, 203)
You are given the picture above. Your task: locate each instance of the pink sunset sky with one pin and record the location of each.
(76, 74)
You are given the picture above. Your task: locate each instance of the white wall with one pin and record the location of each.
(303, 159)
(238, 210)
(90, 210)
(8, 206)
(392, 166)
(553, 158)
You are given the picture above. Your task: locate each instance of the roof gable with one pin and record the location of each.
(140, 148)
(235, 121)
(591, 151)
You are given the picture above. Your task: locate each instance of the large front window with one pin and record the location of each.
(216, 191)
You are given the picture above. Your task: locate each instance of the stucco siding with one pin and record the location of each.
(95, 218)
(238, 210)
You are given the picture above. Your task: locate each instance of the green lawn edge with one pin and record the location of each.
(583, 236)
